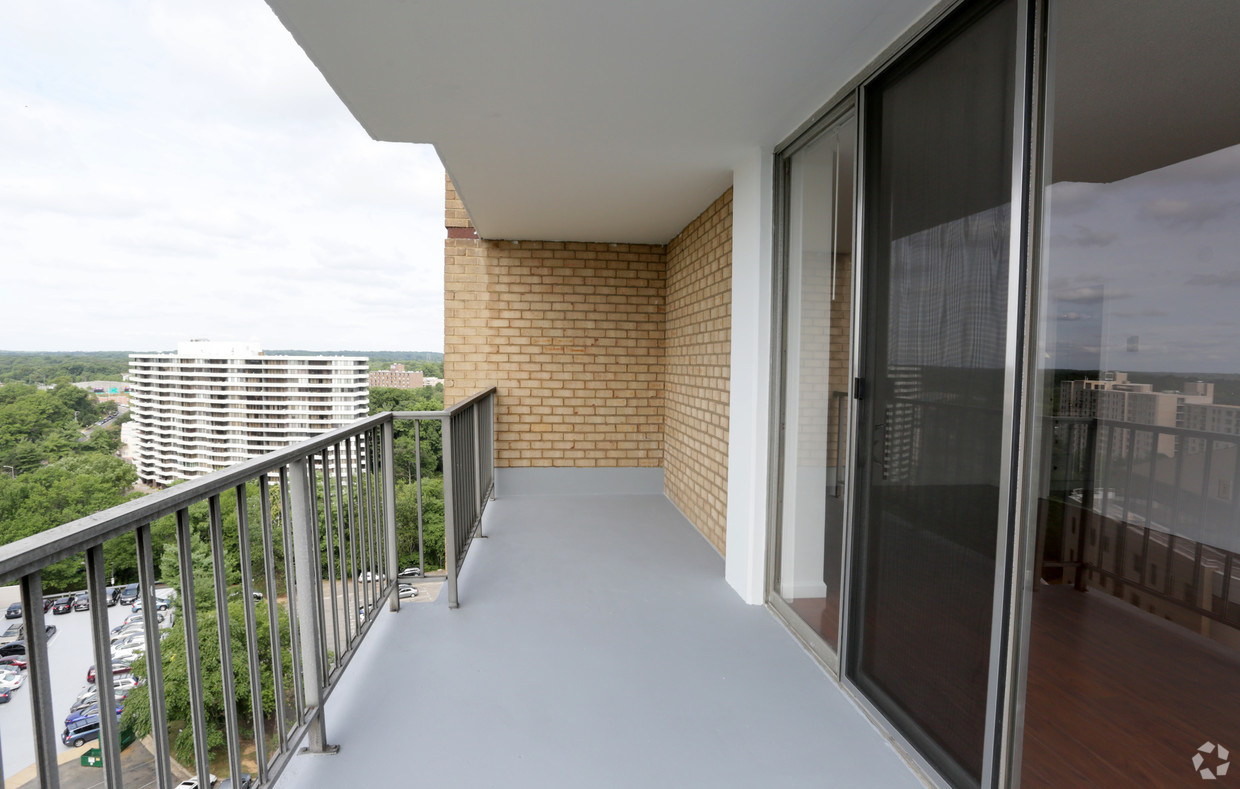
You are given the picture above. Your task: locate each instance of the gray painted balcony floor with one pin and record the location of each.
(597, 645)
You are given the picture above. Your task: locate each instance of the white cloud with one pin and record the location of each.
(176, 170)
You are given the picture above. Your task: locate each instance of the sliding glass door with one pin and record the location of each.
(1134, 500)
(937, 262)
(818, 378)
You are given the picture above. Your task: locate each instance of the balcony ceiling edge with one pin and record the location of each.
(565, 121)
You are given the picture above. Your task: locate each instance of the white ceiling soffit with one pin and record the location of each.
(1146, 83)
(578, 121)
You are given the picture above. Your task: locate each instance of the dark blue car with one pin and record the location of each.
(81, 728)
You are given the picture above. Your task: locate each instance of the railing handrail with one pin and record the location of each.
(449, 411)
(59, 542)
(1141, 427)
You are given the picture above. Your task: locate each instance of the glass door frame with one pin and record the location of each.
(839, 114)
(1014, 537)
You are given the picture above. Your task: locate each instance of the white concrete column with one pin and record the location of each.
(749, 407)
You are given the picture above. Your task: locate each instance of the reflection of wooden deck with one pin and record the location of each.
(1118, 697)
(822, 614)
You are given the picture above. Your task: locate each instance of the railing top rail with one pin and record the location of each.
(1140, 427)
(451, 410)
(39, 550)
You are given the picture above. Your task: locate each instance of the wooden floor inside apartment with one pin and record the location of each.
(1120, 697)
(1116, 696)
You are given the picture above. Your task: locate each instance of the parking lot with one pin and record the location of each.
(70, 654)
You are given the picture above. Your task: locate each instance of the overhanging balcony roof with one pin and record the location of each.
(571, 121)
(597, 645)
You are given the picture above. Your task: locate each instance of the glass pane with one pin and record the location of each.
(939, 165)
(816, 406)
(1134, 656)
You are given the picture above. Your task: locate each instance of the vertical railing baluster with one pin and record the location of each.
(1226, 593)
(329, 528)
(316, 540)
(449, 509)
(1169, 573)
(387, 467)
(342, 508)
(353, 531)
(305, 549)
(1195, 594)
(1208, 534)
(193, 653)
(154, 660)
(251, 634)
(220, 572)
(372, 454)
(473, 410)
(290, 586)
(273, 611)
(363, 522)
(417, 459)
(39, 678)
(109, 731)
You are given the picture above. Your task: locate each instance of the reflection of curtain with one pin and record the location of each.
(949, 294)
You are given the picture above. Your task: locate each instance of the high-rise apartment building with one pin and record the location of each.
(213, 404)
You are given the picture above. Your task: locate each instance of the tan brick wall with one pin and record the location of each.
(698, 350)
(603, 354)
(454, 210)
(572, 336)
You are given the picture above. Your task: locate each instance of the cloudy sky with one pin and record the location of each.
(1144, 273)
(181, 170)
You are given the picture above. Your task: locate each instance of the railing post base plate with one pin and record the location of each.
(328, 750)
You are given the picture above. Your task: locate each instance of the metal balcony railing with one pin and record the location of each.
(1151, 509)
(330, 504)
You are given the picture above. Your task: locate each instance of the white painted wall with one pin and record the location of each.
(749, 409)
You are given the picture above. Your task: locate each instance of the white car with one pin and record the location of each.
(192, 783)
(11, 679)
(128, 655)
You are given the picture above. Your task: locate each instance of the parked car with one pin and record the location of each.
(6, 696)
(245, 783)
(14, 611)
(117, 668)
(82, 603)
(410, 572)
(129, 654)
(19, 647)
(12, 633)
(139, 619)
(16, 661)
(79, 729)
(92, 709)
(63, 605)
(47, 603)
(129, 595)
(11, 679)
(192, 783)
(160, 605)
(406, 591)
(121, 687)
(129, 642)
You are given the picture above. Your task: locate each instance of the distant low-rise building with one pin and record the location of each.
(397, 377)
(213, 404)
(107, 391)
